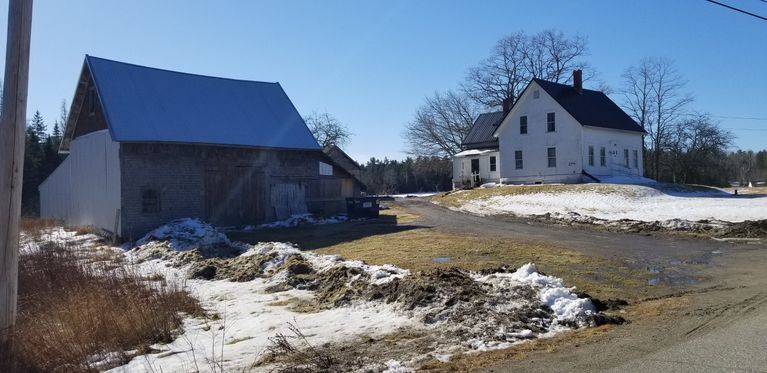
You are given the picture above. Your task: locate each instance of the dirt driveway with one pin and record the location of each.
(712, 319)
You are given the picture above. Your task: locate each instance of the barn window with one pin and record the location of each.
(326, 169)
(150, 201)
(523, 124)
(536, 94)
(551, 125)
(518, 159)
(591, 155)
(492, 164)
(552, 156)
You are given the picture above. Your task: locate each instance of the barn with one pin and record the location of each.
(146, 146)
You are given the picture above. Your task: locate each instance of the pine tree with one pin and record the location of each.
(39, 126)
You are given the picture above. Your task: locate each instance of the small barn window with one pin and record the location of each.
(523, 124)
(552, 156)
(326, 169)
(551, 125)
(602, 157)
(518, 159)
(536, 94)
(492, 164)
(591, 155)
(150, 201)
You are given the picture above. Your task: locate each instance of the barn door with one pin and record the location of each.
(234, 196)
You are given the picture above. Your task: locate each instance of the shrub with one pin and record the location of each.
(80, 316)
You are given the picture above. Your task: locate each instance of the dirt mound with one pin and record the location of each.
(479, 310)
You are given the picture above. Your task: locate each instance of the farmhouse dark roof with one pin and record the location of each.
(590, 108)
(481, 133)
(144, 104)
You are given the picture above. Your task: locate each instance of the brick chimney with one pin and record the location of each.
(578, 81)
(506, 105)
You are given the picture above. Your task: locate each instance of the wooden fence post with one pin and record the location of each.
(12, 125)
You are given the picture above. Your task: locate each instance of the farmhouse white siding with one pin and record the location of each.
(85, 188)
(534, 145)
(615, 144)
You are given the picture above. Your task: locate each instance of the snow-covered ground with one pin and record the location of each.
(635, 202)
(300, 219)
(249, 313)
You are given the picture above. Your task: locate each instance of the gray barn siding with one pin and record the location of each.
(178, 173)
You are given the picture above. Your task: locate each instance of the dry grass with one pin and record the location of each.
(459, 198)
(72, 314)
(745, 190)
(416, 250)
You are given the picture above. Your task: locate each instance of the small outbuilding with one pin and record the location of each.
(146, 146)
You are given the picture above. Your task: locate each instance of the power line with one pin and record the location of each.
(738, 10)
(739, 118)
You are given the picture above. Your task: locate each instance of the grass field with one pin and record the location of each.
(392, 239)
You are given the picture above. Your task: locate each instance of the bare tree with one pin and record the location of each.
(440, 125)
(697, 150)
(518, 58)
(327, 129)
(654, 97)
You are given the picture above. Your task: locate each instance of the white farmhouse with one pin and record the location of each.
(554, 133)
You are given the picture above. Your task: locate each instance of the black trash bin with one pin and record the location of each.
(362, 207)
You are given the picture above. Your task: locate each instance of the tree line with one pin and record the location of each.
(41, 157)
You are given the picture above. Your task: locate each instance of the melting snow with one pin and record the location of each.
(640, 203)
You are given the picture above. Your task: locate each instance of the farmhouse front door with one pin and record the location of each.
(235, 195)
(474, 166)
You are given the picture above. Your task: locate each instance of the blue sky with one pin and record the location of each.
(371, 63)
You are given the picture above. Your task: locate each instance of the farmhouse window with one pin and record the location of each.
(552, 155)
(626, 158)
(636, 159)
(602, 157)
(536, 94)
(523, 124)
(551, 125)
(591, 155)
(492, 164)
(518, 159)
(326, 169)
(150, 201)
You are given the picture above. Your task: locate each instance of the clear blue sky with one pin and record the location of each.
(371, 63)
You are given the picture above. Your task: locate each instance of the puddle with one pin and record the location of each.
(671, 280)
(442, 259)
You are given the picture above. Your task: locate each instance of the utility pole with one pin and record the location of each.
(12, 123)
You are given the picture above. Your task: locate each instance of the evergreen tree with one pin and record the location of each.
(38, 125)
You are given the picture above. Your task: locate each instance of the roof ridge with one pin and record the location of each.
(89, 58)
(539, 80)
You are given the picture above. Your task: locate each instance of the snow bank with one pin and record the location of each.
(300, 219)
(186, 234)
(567, 307)
(632, 202)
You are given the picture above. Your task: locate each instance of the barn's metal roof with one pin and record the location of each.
(144, 104)
(481, 133)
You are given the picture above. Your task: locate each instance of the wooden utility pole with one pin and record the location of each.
(12, 125)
